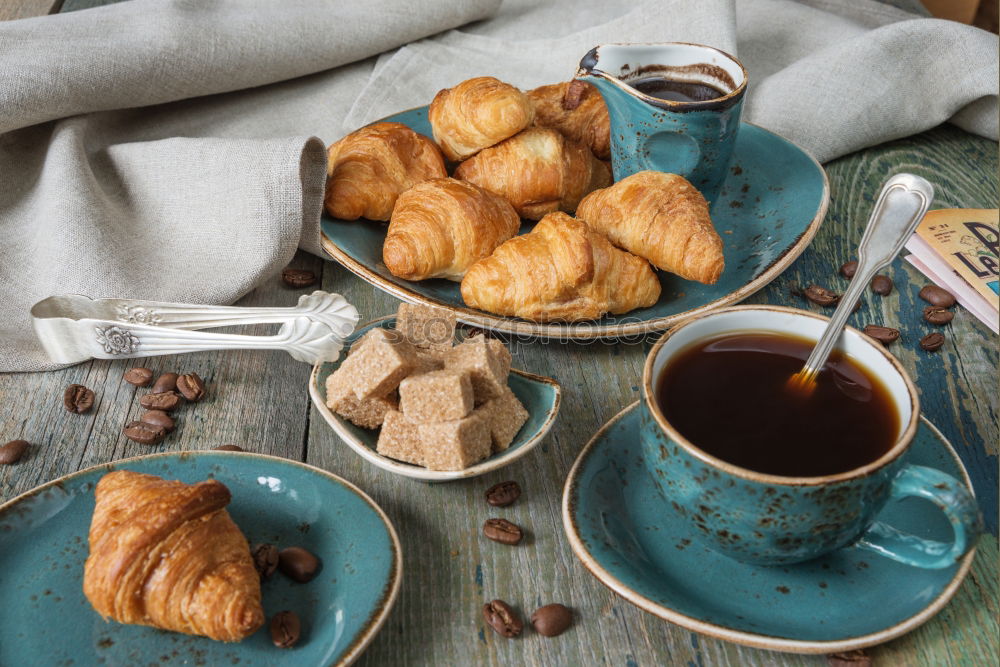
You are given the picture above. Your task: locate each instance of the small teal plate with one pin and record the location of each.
(43, 545)
(769, 209)
(539, 395)
(846, 600)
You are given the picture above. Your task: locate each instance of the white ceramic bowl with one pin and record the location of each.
(540, 396)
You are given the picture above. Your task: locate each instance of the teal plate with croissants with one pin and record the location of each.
(43, 546)
(768, 211)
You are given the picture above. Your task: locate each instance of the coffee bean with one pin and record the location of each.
(166, 382)
(167, 400)
(855, 658)
(936, 296)
(552, 619)
(938, 315)
(191, 386)
(13, 451)
(502, 531)
(298, 278)
(265, 559)
(298, 564)
(78, 399)
(884, 335)
(144, 433)
(140, 377)
(158, 418)
(882, 285)
(503, 494)
(285, 629)
(821, 296)
(502, 618)
(849, 269)
(932, 342)
(229, 448)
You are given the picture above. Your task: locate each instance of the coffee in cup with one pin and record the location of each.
(848, 421)
(747, 467)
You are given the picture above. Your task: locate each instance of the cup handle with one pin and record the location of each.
(951, 497)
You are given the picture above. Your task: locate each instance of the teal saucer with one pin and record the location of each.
(43, 545)
(846, 600)
(768, 210)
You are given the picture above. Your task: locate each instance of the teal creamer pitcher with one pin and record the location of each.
(674, 107)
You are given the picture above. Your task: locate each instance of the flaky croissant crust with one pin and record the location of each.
(166, 554)
(477, 114)
(560, 271)
(369, 168)
(576, 109)
(660, 217)
(441, 227)
(538, 171)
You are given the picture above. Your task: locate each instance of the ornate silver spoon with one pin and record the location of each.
(902, 204)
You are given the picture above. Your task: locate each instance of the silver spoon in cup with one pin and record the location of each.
(901, 206)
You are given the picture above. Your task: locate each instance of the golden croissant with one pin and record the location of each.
(370, 167)
(538, 171)
(441, 227)
(476, 114)
(166, 554)
(661, 217)
(560, 271)
(576, 109)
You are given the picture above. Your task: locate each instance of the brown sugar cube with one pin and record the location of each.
(378, 363)
(376, 334)
(436, 396)
(505, 416)
(368, 337)
(399, 439)
(454, 445)
(426, 326)
(367, 413)
(429, 359)
(487, 360)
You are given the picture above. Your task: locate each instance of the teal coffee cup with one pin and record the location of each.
(674, 107)
(772, 519)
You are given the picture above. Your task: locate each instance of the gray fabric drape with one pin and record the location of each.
(167, 149)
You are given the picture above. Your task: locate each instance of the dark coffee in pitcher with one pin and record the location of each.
(728, 397)
(676, 91)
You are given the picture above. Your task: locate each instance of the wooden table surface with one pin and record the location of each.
(260, 401)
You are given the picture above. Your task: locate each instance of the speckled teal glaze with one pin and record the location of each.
(767, 519)
(761, 523)
(695, 140)
(616, 524)
(43, 546)
(695, 144)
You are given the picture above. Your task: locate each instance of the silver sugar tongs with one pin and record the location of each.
(74, 328)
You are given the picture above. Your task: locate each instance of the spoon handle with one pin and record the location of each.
(901, 206)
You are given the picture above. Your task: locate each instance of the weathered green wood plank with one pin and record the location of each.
(259, 400)
(256, 400)
(451, 571)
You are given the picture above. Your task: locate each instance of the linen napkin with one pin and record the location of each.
(122, 175)
(168, 149)
(832, 76)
